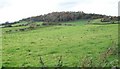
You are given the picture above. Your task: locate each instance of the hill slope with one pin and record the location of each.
(73, 43)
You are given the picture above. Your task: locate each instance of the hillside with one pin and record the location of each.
(75, 42)
(58, 17)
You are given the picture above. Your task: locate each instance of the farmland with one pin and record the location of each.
(73, 43)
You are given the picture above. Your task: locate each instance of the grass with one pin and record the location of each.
(73, 43)
(0, 48)
(77, 22)
(98, 21)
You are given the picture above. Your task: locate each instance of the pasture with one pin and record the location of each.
(73, 43)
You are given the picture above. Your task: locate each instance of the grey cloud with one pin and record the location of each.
(119, 8)
(71, 3)
(67, 5)
(4, 3)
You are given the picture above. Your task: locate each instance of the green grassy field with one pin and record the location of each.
(0, 48)
(73, 43)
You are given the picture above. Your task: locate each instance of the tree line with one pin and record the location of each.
(63, 17)
(56, 17)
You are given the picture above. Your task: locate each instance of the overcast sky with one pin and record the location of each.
(14, 10)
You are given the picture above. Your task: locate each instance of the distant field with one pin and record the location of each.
(73, 43)
(98, 21)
